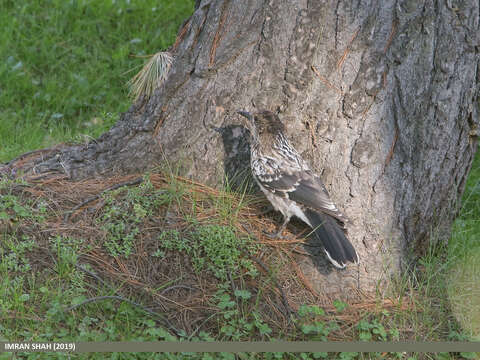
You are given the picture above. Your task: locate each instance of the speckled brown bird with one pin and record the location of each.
(293, 188)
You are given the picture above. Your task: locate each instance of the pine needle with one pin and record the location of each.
(153, 75)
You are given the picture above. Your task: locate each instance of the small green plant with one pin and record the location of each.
(222, 248)
(66, 250)
(11, 209)
(371, 331)
(237, 324)
(173, 240)
(215, 248)
(14, 208)
(348, 355)
(123, 214)
(309, 324)
(339, 305)
(13, 254)
(310, 310)
(468, 355)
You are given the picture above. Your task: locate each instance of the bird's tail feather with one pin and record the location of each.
(338, 248)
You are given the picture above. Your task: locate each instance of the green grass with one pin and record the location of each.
(447, 279)
(64, 64)
(463, 281)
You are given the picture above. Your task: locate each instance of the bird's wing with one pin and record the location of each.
(304, 188)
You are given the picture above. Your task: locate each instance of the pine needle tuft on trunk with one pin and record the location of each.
(153, 75)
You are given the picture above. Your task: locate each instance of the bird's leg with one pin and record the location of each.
(278, 234)
(266, 210)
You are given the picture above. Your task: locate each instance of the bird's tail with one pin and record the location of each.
(338, 248)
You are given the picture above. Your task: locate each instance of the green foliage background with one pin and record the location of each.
(64, 64)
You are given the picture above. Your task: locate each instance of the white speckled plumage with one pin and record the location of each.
(293, 188)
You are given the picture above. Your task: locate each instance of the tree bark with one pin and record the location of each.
(381, 97)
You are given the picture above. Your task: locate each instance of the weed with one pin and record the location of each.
(66, 251)
(235, 323)
(310, 326)
(219, 249)
(121, 218)
(371, 331)
(13, 254)
(14, 208)
(172, 240)
(214, 248)
(348, 355)
(339, 305)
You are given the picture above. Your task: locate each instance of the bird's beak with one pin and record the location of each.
(248, 121)
(246, 114)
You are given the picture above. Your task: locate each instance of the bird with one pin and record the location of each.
(293, 188)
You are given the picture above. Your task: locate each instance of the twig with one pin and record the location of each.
(95, 197)
(325, 81)
(198, 328)
(218, 34)
(160, 121)
(24, 155)
(14, 316)
(180, 286)
(232, 284)
(347, 49)
(277, 285)
(301, 275)
(390, 37)
(44, 175)
(181, 34)
(95, 276)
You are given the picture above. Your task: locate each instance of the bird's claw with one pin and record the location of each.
(275, 235)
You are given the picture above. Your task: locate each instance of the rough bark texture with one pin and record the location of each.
(381, 97)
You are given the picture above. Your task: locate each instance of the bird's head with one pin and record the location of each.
(262, 123)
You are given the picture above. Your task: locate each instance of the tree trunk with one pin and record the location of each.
(381, 97)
